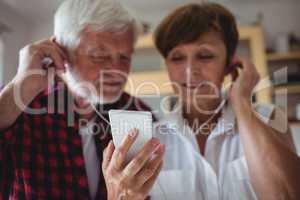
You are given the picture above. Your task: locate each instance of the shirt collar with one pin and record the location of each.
(226, 123)
(174, 121)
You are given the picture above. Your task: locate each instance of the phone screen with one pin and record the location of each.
(122, 121)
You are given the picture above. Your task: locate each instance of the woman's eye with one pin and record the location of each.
(125, 59)
(205, 56)
(177, 59)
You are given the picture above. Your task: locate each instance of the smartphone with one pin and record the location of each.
(122, 121)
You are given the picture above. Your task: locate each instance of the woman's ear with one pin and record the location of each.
(232, 68)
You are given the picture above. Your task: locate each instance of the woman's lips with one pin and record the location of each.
(191, 85)
(113, 84)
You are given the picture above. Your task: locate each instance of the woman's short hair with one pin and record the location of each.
(73, 16)
(187, 23)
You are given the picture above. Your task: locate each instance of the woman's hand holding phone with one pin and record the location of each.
(133, 180)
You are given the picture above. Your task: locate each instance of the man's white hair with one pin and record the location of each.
(73, 16)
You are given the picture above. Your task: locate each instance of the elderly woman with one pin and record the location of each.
(242, 153)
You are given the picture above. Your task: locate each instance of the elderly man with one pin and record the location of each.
(45, 150)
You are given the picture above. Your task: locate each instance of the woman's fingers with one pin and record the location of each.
(132, 178)
(233, 72)
(138, 162)
(152, 165)
(119, 155)
(148, 185)
(247, 66)
(107, 155)
(234, 68)
(250, 72)
(243, 67)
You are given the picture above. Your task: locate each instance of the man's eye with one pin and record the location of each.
(95, 57)
(125, 58)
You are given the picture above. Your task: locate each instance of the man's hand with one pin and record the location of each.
(31, 78)
(32, 61)
(132, 181)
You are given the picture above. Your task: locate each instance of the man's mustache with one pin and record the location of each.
(111, 80)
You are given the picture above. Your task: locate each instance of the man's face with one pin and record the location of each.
(102, 60)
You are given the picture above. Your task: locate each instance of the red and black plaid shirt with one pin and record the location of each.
(41, 154)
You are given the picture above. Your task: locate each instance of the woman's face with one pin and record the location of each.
(197, 70)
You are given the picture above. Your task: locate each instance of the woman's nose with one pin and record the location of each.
(188, 71)
(192, 71)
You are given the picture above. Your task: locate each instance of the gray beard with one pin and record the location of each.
(83, 89)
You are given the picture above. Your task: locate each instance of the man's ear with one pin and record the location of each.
(53, 39)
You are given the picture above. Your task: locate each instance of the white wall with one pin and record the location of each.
(12, 41)
(41, 30)
(1, 60)
(279, 17)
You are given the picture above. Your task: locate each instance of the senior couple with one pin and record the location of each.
(218, 147)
